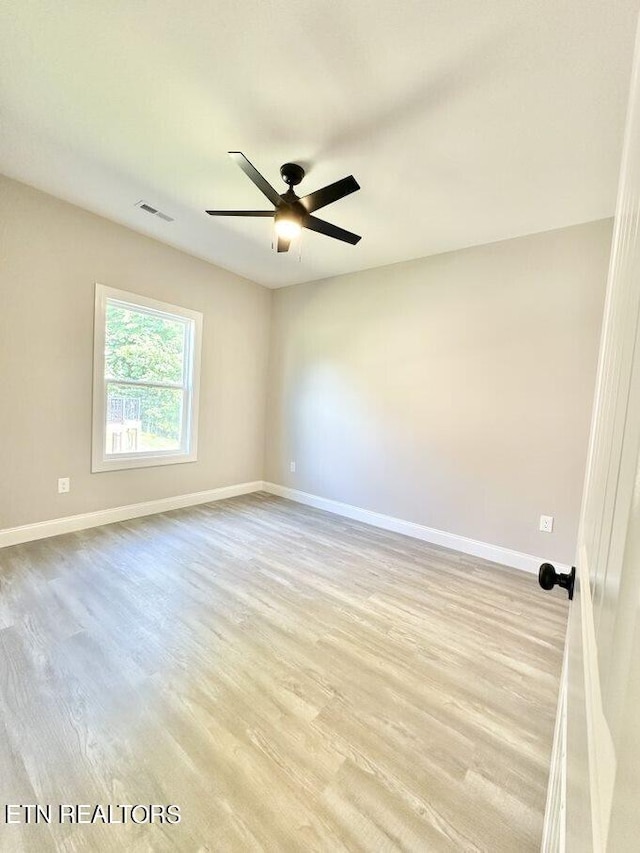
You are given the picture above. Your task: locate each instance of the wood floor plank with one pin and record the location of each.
(293, 680)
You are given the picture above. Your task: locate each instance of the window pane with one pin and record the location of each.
(139, 345)
(142, 419)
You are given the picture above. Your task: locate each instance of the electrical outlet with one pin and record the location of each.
(292, 467)
(64, 485)
(546, 523)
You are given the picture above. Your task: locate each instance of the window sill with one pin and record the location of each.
(149, 460)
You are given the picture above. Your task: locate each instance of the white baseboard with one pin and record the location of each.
(68, 524)
(56, 526)
(495, 553)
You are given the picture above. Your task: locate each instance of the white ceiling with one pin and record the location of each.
(463, 121)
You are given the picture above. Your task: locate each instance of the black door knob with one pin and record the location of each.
(548, 578)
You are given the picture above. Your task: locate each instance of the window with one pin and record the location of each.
(146, 378)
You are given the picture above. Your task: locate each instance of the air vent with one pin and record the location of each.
(143, 205)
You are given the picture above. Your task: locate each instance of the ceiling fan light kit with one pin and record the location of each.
(291, 212)
(287, 224)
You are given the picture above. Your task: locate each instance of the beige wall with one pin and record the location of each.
(51, 253)
(453, 391)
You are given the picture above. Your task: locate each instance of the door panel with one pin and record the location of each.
(602, 687)
(616, 581)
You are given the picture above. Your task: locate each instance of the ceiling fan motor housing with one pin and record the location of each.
(292, 210)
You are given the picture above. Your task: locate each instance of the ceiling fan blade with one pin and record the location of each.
(283, 245)
(330, 230)
(329, 194)
(240, 212)
(251, 172)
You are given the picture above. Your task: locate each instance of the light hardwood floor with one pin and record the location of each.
(294, 681)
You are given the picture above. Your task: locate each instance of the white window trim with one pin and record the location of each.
(99, 459)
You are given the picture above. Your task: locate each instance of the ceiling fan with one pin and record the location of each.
(291, 213)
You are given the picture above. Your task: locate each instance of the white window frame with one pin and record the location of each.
(101, 461)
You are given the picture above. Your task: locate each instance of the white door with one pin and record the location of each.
(594, 792)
